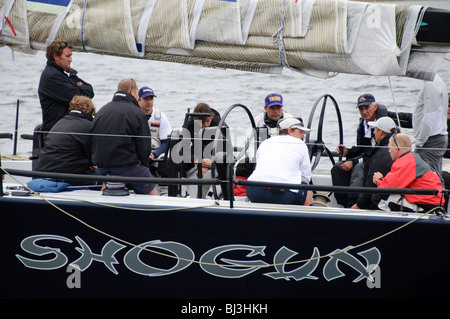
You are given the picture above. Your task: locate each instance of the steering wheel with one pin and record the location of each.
(219, 137)
(318, 147)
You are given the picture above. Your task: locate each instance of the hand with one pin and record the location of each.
(343, 148)
(347, 166)
(151, 156)
(206, 163)
(376, 177)
(204, 170)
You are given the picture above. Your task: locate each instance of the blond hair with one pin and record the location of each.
(83, 104)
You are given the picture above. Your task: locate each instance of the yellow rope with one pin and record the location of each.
(213, 264)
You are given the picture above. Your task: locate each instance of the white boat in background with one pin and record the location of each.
(83, 244)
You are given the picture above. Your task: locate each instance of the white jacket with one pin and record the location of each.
(430, 115)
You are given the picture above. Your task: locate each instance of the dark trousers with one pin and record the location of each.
(353, 178)
(276, 196)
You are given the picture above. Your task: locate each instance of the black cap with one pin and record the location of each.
(365, 99)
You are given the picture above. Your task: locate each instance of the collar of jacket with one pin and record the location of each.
(405, 154)
(124, 96)
(385, 140)
(53, 64)
(271, 123)
(78, 113)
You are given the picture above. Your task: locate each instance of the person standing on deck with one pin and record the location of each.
(430, 123)
(58, 84)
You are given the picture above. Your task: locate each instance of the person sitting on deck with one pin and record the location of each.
(269, 118)
(120, 141)
(67, 147)
(409, 170)
(350, 172)
(379, 160)
(282, 159)
(160, 130)
(273, 112)
(194, 125)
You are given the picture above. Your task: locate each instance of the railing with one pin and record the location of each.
(215, 181)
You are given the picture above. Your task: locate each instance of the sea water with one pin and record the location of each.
(180, 87)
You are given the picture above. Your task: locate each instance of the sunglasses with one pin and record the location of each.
(63, 45)
(395, 141)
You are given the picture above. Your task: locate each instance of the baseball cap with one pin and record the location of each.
(145, 91)
(365, 99)
(292, 122)
(386, 124)
(273, 99)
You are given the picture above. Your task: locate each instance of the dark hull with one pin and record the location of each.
(412, 261)
(434, 21)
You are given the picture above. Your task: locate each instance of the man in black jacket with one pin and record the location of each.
(351, 171)
(58, 84)
(67, 147)
(379, 160)
(127, 150)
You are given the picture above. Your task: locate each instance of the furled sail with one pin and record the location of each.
(318, 37)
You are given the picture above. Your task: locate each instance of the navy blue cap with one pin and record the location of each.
(365, 99)
(145, 91)
(273, 99)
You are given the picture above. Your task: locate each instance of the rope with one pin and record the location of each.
(82, 25)
(339, 251)
(278, 37)
(393, 100)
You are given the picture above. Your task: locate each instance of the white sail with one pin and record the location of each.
(319, 37)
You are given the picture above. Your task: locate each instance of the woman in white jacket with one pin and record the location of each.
(282, 159)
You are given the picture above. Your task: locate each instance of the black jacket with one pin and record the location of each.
(120, 117)
(190, 126)
(363, 144)
(379, 160)
(56, 90)
(67, 153)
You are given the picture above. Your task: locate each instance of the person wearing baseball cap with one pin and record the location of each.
(365, 100)
(273, 112)
(282, 159)
(379, 160)
(160, 129)
(145, 91)
(350, 172)
(293, 123)
(384, 124)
